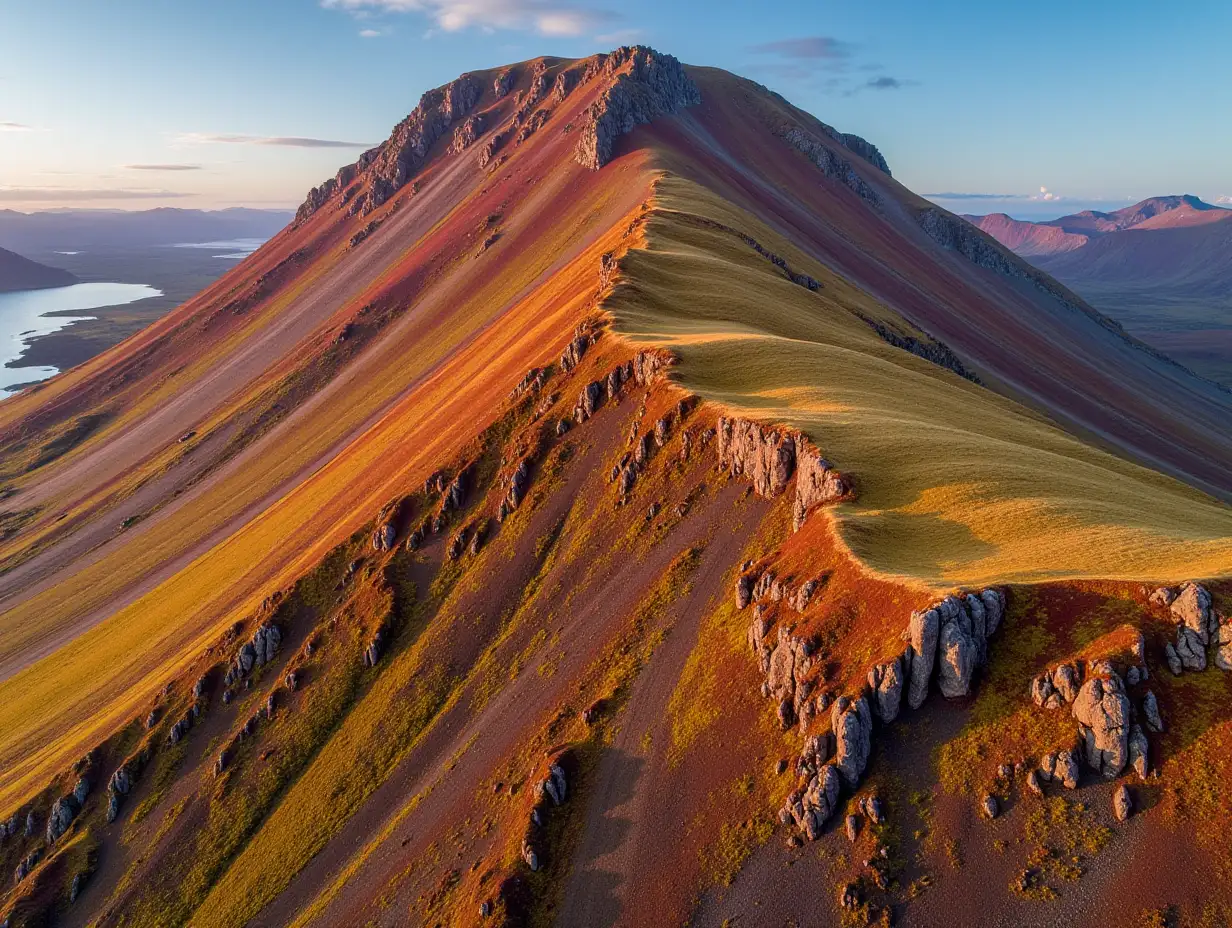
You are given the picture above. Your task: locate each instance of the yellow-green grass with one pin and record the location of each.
(958, 485)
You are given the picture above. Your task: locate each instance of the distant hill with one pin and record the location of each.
(18, 273)
(1160, 267)
(82, 229)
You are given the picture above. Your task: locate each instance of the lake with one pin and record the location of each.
(23, 317)
(232, 248)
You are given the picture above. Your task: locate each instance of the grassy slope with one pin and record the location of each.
(957, 484)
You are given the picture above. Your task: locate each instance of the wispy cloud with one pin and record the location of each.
(1224, 201)
(809, 48)
(541, 16)
(955, 195)
(15, 127)
(370, 33)
(162, 167)
(282, 141)
(79, 194)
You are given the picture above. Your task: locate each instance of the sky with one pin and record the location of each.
(1033, 108)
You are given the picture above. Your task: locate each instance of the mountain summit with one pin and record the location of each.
(608, 484)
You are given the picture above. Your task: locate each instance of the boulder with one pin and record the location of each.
(1139, 749)
(1223, 657)
(529, 855)
(853, 828)
(1122, 803)
(63, 811)
(1033, 781)
(811, 807)
(1102, 710)
(852, 724)
(1192, 608)
(924, 632)
(790, 661)
(384, 537)
(989, 806)
(1066, 769)
(1150, 710)
(1173, 659)
(994, 609)
(588, 401)
(1190, 648)
(1162, 597)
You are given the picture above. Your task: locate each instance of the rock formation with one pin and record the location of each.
(1102, 710)
(654, 85)
(831, 164)
(852, 724)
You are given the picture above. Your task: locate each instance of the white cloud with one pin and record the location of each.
(1046, 194)
(279, 141)
(370, 33)
(542, 16)
(1224, 201)
(15, 127)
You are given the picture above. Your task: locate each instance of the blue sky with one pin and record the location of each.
(1050, 106)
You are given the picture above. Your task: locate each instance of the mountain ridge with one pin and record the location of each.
(420, 530)
(20, 273)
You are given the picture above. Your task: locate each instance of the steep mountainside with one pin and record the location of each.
(609, 483)
(18, 273)
(1161, 268)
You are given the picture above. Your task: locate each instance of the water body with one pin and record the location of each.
(23, 316)
(233, 249)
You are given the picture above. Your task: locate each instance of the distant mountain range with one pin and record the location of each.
(18, 273)
(1161, 267)
(82, 229)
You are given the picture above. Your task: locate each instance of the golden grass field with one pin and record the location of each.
(957, 484)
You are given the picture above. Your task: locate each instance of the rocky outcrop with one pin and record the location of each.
(65, 809)
(550, 791)
(1061, 766)
(1056, 688)
(852, 724)
(924, 633)
(831, 164)
(392, 164)
(503, 83)
(260, 650)
(866, 150)
(767, 457)
(384, 537)
(465, 135)
(1139, 751)
(887, 682)
(809, 806)
(588, 401)
(817, 483)
(645, 85)
(932, 350)
(1102, 710)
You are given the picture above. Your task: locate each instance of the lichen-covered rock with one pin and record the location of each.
(852, 724)
(1163, 596)
(790, 661)
(1122, 803)
(653, 85)
(1102, 710)
(925, 633)
(887, 682)
(767, 457)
